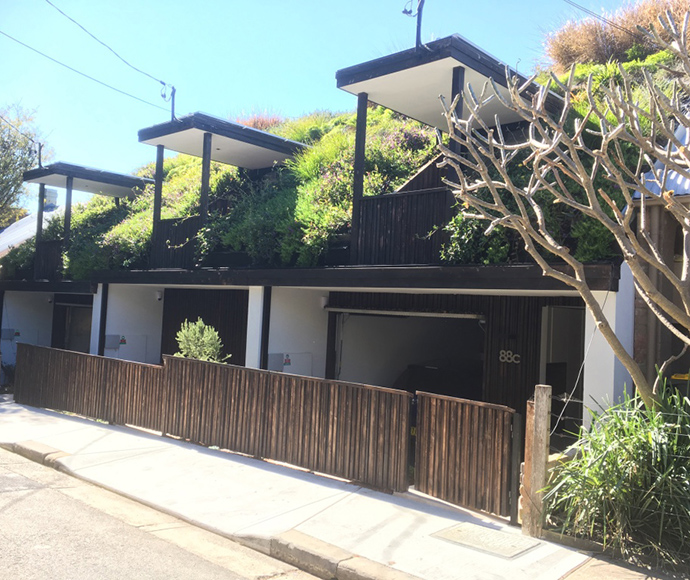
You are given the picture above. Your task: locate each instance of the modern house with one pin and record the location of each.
(38, 307)
(394, 315)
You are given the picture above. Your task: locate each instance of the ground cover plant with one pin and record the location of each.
(628, 486)
(284, 216)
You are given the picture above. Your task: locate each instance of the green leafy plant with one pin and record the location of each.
(200, 341)
(628, 487)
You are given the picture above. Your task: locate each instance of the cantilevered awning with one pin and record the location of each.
(86, 179)
(411, 81)
(233, 143)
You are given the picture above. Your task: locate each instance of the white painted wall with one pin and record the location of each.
(255, 309)
(29, 313)
(299, 326)
(605, 378)
(135, 313)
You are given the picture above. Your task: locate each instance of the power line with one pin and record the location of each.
(600, 17)
(84, 74)
(29, 137)
(99, 41)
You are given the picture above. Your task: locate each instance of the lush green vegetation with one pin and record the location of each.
(280, 217)
(629, 484)
(288, 216)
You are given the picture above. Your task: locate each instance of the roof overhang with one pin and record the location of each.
(86, 179)
(63, 287)
(519, 279)
(410, 82)
(232, 143)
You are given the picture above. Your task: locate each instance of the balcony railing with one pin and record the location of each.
(174, 243)
(404, 228)
(48, 260)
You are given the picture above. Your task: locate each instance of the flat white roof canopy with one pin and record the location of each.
(232, 143)
(411, 81)
(86, 179)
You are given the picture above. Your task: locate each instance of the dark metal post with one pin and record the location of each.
(331, 347)
(68, 209)
(457, 88)
(358, 183)
(39, 228)
(265, 327)
(420, 9)
(102, 319)
(158, 190)
(205, 176)
(39, 217)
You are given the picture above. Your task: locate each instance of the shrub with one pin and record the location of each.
(199, 341)
(629, 485)
(591, 40)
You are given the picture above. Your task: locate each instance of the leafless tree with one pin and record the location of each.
(558, 153)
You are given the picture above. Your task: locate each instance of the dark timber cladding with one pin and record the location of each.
(225, 310)
(513, 323)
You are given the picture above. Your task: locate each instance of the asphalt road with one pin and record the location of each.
(53, 526)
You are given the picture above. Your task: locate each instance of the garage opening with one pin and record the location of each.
(440, 354)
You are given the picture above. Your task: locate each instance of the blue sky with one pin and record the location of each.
(226, 58)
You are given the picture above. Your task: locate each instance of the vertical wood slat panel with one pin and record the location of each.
(352, 431)
(463, 452)
(394, 228)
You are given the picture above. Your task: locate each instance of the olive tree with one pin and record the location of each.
(614, 143)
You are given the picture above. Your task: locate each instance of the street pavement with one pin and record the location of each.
(328, 527)
(56, 526)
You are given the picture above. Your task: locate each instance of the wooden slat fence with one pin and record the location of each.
(394, 228)
(463, 452)
(352, 431)
(174, 243)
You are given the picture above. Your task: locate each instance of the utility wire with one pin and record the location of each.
(29, 137)
(598, 17)
(84, 74)
(99, 41)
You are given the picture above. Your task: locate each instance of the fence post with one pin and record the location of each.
(538, 421)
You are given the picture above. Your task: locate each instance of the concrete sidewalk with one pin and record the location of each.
(330, 528)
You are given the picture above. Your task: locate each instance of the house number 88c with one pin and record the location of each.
(507, 356)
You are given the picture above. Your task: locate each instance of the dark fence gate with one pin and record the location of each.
(467, 453)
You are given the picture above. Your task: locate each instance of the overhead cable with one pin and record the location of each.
(99, 41)
(600, 17)
(84, 74)
(29, 137)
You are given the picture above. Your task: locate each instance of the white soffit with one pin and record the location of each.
(223, 149)
(415, 91)
(86, 185)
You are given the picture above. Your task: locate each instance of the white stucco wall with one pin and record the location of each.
(299, 327)
(135, 313)
(605, 378)
(29, 313)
